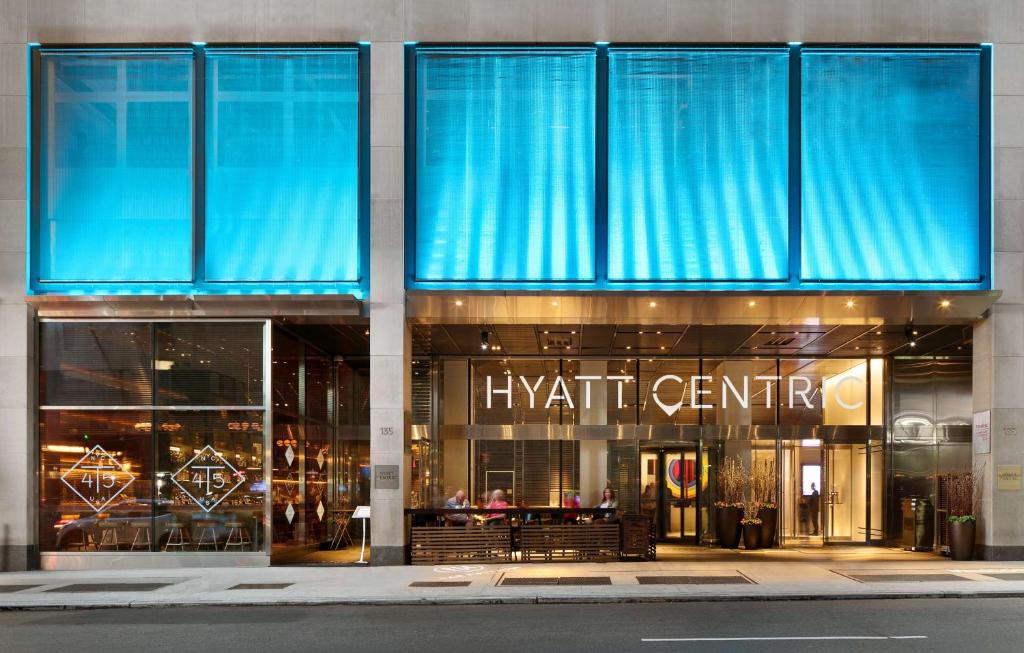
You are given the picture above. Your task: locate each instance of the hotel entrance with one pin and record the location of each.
(673, 491)
(561, 422)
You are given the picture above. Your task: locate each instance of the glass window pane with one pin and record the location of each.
(282, 188)
(505, 165)
(210, 480)
(96, 481)
(697, 164)
(209, 364)
(95, 364)
(115, 201)
(891, 164)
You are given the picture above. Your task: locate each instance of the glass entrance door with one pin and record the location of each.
(670, 478)
(801, 480)
(853, 474)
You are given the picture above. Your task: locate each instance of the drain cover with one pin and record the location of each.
(261, 586)
(8, 589)
(1010, 576)
(440, 583)
(529, 581)
(561, 580)
(110, 587)
(903, 578)
(693, 580)
(584, 580)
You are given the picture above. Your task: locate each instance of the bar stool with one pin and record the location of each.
(238, 535)
(207, 533)
(177, 528)
(142, 530)
(109, 538)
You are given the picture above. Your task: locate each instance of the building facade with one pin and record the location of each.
(264, 262)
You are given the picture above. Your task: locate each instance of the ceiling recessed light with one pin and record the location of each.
(653, 304)
(640, 333)
(458, 302)
(663, 347)
(554, 303)
(857, 348)
(546, 332)
(628, 347)
(545, 346)
(751, 303)
(658, 332)
(878, 333)
(573, 332)
(568, 348)
(914, 332)
(944, 303)
(849, 303)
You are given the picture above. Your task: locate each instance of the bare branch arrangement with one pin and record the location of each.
(762, 482)
(732, 477)
(964, 490)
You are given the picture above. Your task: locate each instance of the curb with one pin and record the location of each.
(520, 600)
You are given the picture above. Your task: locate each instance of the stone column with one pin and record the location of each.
(18, 479)
(390, 347)
(998, 374)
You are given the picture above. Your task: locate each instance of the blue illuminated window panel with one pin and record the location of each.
(697, 164)
(115, 177)
(505, 143)
(282, 189)
(891, 164)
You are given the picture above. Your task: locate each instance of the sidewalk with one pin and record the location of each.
(737, 578)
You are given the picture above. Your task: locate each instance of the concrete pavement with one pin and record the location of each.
(716, 577)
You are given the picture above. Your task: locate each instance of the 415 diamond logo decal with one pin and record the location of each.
(208, 478)
(97, 478)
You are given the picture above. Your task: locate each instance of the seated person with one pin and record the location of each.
(497, 501)
(457, 501)
(610, 502)
(571, 500)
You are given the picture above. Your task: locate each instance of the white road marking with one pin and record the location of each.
(778, 639)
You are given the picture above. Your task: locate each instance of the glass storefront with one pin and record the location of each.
(548, 431)
(151, 436)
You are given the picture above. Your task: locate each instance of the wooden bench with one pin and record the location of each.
(638, 537)
(569, 542)
(432, 545)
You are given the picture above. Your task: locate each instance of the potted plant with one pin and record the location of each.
(751, 526)
(963, 489)
(729, 507)
(763, 481)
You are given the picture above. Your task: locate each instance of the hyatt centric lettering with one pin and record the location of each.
(799, 390)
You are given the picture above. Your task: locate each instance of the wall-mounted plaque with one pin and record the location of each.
(385, 477)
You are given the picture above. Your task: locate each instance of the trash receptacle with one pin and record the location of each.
(918, 524)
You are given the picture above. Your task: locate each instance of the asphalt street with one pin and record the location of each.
(974, 625)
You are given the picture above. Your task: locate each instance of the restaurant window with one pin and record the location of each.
(115, 166)
(151, 437)
(505, 173)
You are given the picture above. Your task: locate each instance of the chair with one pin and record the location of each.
(143, 534)
(238, 535)
(177, 528)
(207, 533)
(109, 537)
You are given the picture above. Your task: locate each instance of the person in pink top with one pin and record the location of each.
(497, 501)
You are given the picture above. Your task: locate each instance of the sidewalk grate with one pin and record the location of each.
(1008, 576)
(110, 587)
(10, 589)
(903, 578)
(261, 586)
(694, 580)
(440, 583)
(560, 580)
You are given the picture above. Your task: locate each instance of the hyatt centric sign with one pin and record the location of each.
(799, 390)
